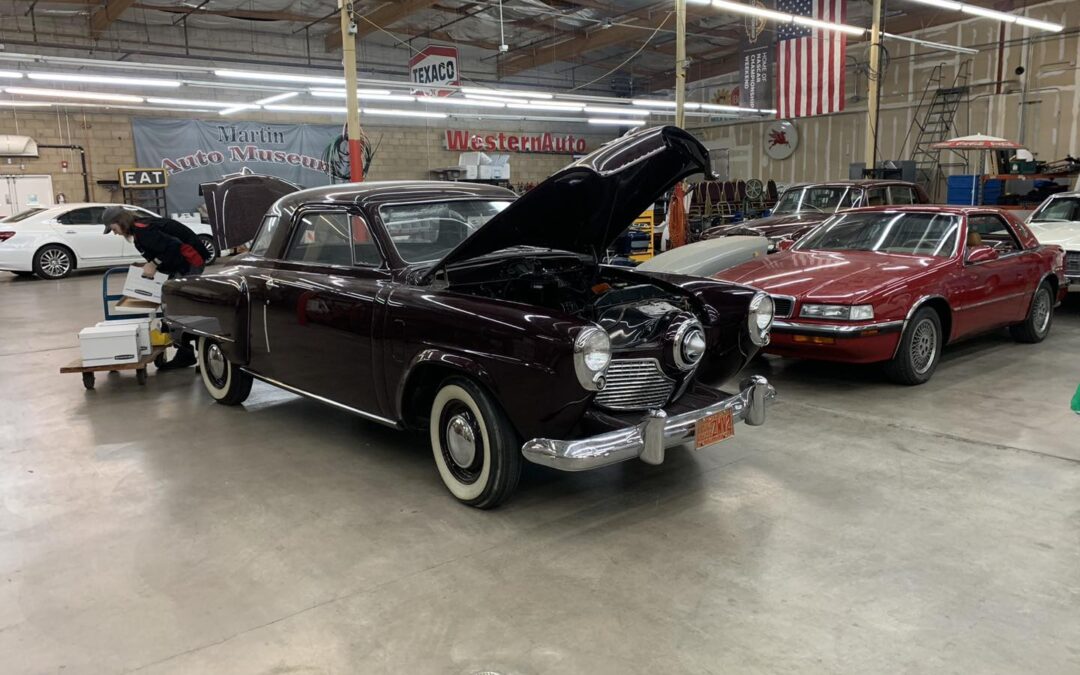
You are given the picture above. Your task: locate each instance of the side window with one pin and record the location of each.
(991, 230)
(266, 232)
(81, 216)
(876, 197)
(365, 250)
(322, 238)
(901, 194)
(851, 199)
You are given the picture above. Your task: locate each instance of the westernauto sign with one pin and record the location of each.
(540, 142)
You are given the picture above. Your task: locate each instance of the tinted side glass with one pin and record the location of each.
(321, 238)
(81, 216)
(876, 197)
(266, 233)
(900, 194)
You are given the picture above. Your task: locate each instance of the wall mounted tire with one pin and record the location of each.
(476, 450)
(54, 261)
(227, 384)
(1039, 319)
(919, 351)
(208, 242)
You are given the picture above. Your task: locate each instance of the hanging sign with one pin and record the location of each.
(434, 65)
(757, 61)
(144, 179)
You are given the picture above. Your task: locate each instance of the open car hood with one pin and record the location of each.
(589, 203)
(236, 204)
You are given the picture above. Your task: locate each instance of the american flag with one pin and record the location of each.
(810, 61)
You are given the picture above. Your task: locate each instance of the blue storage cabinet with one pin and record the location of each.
(960, 191)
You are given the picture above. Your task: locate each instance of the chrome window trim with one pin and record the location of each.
(347, 210)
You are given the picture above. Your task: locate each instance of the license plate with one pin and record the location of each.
(713, 429)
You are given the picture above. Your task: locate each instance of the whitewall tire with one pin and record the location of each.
(227, 384)
(476, 450)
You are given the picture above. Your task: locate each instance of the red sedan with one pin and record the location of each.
(894, 284)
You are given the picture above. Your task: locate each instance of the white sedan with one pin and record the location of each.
(54, 241)
(1057, 221)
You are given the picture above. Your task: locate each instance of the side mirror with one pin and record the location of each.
(785, 244)
(981, 254)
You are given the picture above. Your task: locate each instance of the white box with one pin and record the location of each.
(142, 335)
(470, 172)
(108, 345)
(138, 287)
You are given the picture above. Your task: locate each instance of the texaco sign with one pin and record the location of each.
(434, 65)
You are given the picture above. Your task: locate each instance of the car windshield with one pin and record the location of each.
(1058, 209)
(924, 234)
(23, 215)
(816, 199)
(428, 231)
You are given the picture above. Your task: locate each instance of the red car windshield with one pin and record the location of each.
(907, 233)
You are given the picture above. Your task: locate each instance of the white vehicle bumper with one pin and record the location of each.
(16, 255)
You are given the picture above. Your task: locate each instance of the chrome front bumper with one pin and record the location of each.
(648, 439)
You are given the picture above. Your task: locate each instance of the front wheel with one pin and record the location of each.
(1039, 319)
(208, 242)
(476, 450)
(54, 262)
(920, 348)
(227, 384)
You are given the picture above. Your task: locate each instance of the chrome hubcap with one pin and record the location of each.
(215, 362)
(923, 346)
(1041, 311)
(55, 263)
(461, 441)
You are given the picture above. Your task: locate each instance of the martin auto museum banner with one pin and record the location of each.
(195, 152)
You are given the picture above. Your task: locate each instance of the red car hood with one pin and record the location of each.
(832, 277)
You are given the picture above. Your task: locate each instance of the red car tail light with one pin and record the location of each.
(4, 236)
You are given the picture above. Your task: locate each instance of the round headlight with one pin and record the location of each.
(689, 345)
(761, 318)
(592, 354)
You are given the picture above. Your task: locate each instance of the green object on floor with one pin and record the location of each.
(1076, 401)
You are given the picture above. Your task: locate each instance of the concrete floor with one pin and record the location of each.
(866, 528)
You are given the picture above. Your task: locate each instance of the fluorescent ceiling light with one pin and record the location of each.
(657, 103)
(402, 113)
(504, 92)
(62, 93)
(277, 97)
(1004, 17)
(278, 77)
(624, 110)
(621, 123)
(234, 109)
(306, 108)
(26, 104)
(340, 93)
(194, 103)
(557, 105)
(10, 74)
(440, 100)
(828, 25)
(482, 97)
(117, 80)
(784, 17)
(931, 45)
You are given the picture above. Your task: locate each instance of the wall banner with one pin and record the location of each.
(194, 152)
(757, 63)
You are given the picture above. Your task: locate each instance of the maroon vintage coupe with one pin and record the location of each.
(487, 321)
(895, 284)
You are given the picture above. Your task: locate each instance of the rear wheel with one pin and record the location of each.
(227, 384)
(54, 262)
(1039, 319)
(476, 450)
(208, 242)
(920, 348)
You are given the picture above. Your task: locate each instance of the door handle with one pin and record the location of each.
(270, 283)
(70, 232)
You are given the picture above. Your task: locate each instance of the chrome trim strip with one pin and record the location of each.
(323, 399)
(648, 439)
(975, 305)
(205, 334)
(842, 330)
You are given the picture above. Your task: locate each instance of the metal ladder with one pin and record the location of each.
(934, 122)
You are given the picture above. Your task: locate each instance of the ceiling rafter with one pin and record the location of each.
(383, 17)
(103, 17)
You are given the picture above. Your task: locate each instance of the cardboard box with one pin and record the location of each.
(142, 327)
(140, 288)
(108, 345)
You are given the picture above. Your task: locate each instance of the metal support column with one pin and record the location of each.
(680, 63)
(873, 87)
(348, 57)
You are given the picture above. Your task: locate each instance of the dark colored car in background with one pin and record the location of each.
(484, 321)
(801, 208)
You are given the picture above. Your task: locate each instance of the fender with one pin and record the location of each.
(445, 360)
(213, 306)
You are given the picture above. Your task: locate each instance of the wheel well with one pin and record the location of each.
(1052, 280)
(71, 252)
(944, 312)
(419, 392)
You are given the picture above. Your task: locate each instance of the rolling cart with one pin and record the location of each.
(124, 308)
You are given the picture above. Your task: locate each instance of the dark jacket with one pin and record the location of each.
(171, 245)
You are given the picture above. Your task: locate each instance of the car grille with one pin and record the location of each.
(782, 306)
(635, 384)
(1072, 263)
